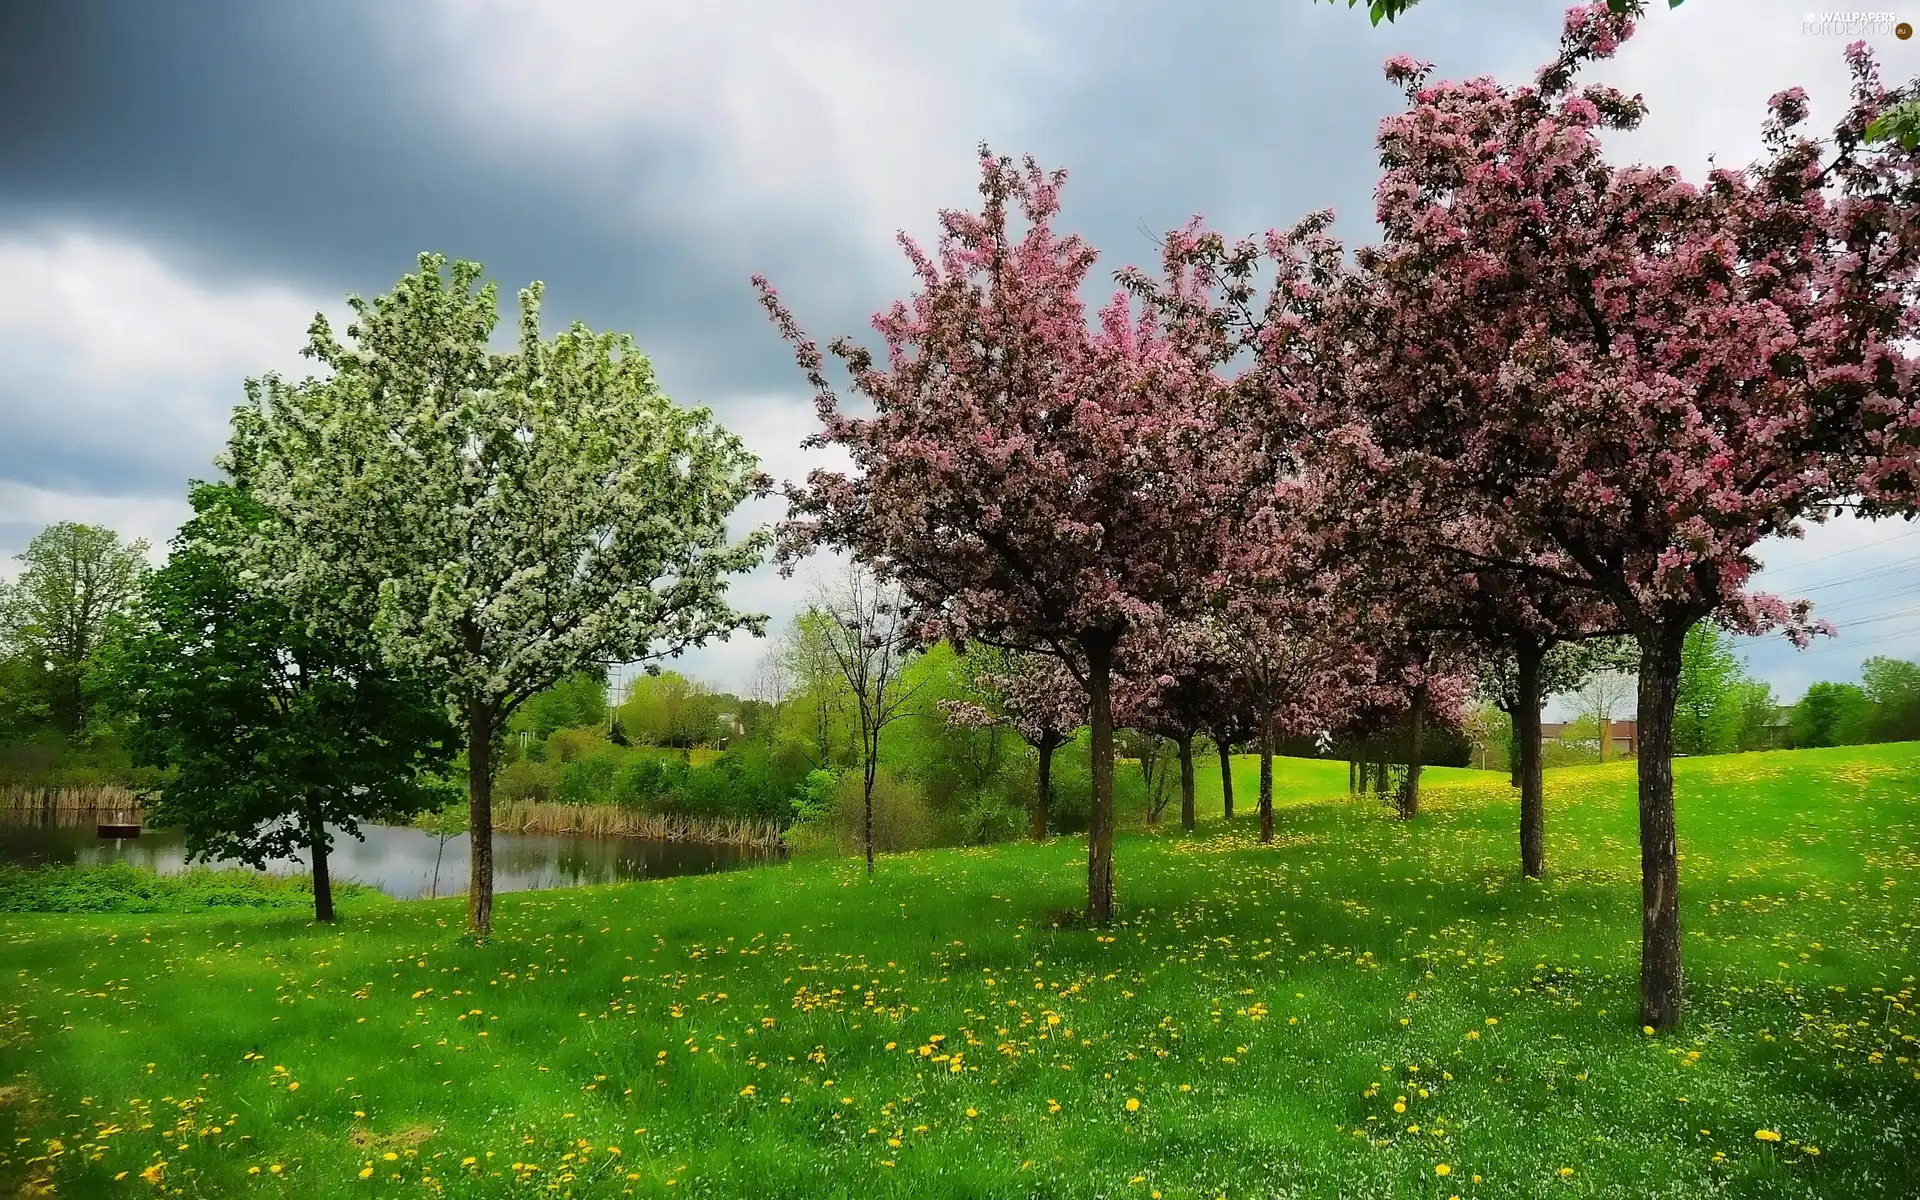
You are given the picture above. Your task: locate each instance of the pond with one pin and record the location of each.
(400, 861)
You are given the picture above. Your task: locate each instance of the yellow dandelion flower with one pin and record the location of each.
(1766, 1135)
(1442, 1169)
(1133, 1104)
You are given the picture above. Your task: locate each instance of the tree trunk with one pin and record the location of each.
(1099, 651)
(1661, 978)
(1044, 794)
(1187, 816)
(867, 835)
(1353, 775)
(1514, 773)
(1416, 731)
(480, 816)
(317, 851)
(1526, 760)
(1266, 777)
(1226, 780)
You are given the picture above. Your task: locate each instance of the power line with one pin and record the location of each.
(1827, 610)
(1880, 638)
(1898, 567)
(1792, 567)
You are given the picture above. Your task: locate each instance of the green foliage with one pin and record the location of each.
(818, 715)
(269, 733)
(447, 821)
(579, 700)
(1753, 701)
(989, 817)
(566, 745)
(901, 818)
(589, 779)
(814, 799)
(1900, 123)
(1893, 686)
(1832, 714)
(121, 888)
(527, 782)
(669, 709)
(748, 781)
(644, 778)
(95, 757)
(1712, 708)
(74, 581)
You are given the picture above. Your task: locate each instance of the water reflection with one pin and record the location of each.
(400, 861)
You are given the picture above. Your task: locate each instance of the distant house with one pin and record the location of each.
(1780, 727)
(1624, 736)
(730, 722)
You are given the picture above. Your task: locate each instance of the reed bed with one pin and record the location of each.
(23, 800)
(606, 820)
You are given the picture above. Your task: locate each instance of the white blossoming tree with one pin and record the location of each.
(495, 521)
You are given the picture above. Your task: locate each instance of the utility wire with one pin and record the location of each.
(1792, 567)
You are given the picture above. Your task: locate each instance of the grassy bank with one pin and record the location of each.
(121, 888)
(1366, 1008)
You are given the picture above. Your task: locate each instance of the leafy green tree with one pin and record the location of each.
(1832, 714)
(445, 823)
(1710, 711)
(814, 799)
(1754, 702)
(496, 521)
(668, 709)
(23, 694)
(817, 703)
(273, 733)
(1893, 687)
(74, 580)
(577, 702)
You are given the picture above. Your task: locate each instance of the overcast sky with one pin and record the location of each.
(182, 186)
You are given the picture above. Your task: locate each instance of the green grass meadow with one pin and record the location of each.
(1365, 1008)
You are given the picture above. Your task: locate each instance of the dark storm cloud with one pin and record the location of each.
(280, 141)
(294, 153)
(287, 141)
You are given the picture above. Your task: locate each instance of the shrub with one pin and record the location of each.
(528, 782)
(991, 817)
(121, 888)
(644, 778)
(814, 799)
(565, 745)
(901, 819)
(590, 779)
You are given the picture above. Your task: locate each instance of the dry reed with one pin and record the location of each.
(606, 820)
(23, 800)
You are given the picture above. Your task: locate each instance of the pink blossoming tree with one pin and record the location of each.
(1629, 378)
(1032, 480)
(1035, 696)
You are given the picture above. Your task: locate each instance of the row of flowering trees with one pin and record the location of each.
(1276, 487)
